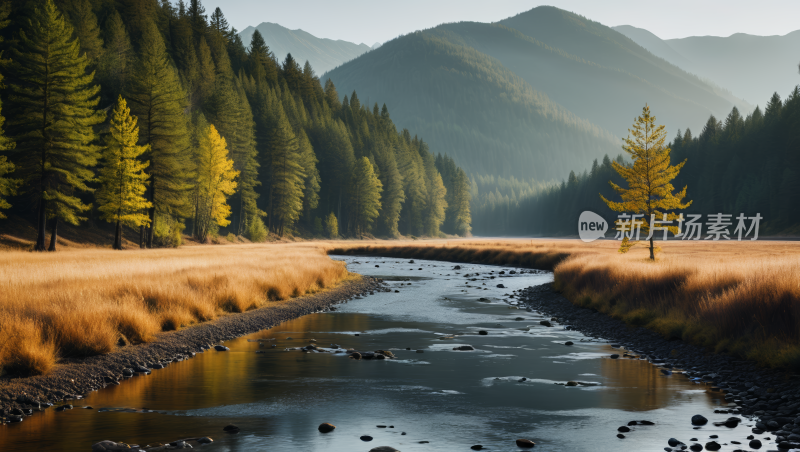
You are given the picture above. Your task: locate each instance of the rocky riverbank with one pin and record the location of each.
(767, 397)
(73, 379)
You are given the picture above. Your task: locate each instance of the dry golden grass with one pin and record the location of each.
(82, 302)
(735, 297)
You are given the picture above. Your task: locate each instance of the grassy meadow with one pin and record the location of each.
(732, 297)
(83, 302)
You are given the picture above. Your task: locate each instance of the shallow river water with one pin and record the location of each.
(444, 400)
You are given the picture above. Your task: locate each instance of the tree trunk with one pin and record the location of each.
(53, 235)
(141, 236)
(151, 231)
(652, 255)
(118, 237)
(41, 225)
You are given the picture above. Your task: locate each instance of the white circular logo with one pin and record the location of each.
(591, 226)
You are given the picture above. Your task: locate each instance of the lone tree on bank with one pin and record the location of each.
(124, 182)
(650, 191)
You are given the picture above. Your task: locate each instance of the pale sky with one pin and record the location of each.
(371, 21)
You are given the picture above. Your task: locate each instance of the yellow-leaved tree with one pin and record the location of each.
(215, 182)
(650, 191)
(122, 178)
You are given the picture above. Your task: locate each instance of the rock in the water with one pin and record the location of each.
(110, 446)
(699, 420)
(572, 383)
(477, 447)
(326, 427)
(696, 447)
(420, 351)
(355, 355)
(366, 438)
(755, 444)
(464, 348)
(614, 356)
(230, 428)
(483, 333)
(620, 436)
(545, 323)
(713, 445)
(221, 348)
(205, 440)
(525, 443)
(673, 442)
(568, 343)
(500, 286)
(624, 429)
(383, 449)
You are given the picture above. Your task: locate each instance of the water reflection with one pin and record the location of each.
(453, 399)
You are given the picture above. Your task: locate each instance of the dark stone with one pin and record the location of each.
(545, 323)
(500, 286)
(326, 427)
(699, 420)
(696, 447)
(713, 445)
(221, 348)
(230, 428)
(755, 444)
(624, 429)
(525, 443)
(464, 348)
(673, 442)
(614, 356)
(483, 333)
(620, 436)
(568, 343)
(477, 447)
(366, 438)
(632, 423)
(646, 423)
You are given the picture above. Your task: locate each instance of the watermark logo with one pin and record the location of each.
(591, 226)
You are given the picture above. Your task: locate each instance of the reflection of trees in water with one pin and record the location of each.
(636, 385)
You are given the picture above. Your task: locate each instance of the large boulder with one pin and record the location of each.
(699, 420)
(326, 427)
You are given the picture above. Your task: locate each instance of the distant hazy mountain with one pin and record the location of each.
(535, 95)
(752, 67)
(323, 54)
(466, 104)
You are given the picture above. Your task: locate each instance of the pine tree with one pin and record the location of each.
(460, 203)
(261, 60)
(123, 180)
(215, 181)
(8, 186)
(53, 103)
(332, 226)
(117, 59)
(86, 30)
(365, 196)
(286, 192)
(649, 179)
(308, 161)
(218, 22)
(157, 99)
(392, 182)
(332, 96)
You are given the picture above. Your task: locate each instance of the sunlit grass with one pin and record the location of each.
(734, 297)
(84, 302)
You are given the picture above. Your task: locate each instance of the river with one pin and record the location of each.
(437, 400)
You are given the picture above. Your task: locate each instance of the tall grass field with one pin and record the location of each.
(84, 302)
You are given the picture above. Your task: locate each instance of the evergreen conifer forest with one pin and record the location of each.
(231, 139)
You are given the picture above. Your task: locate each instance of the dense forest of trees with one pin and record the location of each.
(737, 165)
(154, 115)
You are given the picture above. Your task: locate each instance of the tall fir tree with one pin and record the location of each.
(123, 180)
(158, 100)
(116, 62)
(53, 101)
(286, 192)
(215, 182)
(311, 181)
(8, 185)
(365, 196)
(87, 31)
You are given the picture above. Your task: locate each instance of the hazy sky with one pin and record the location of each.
(371, 21)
